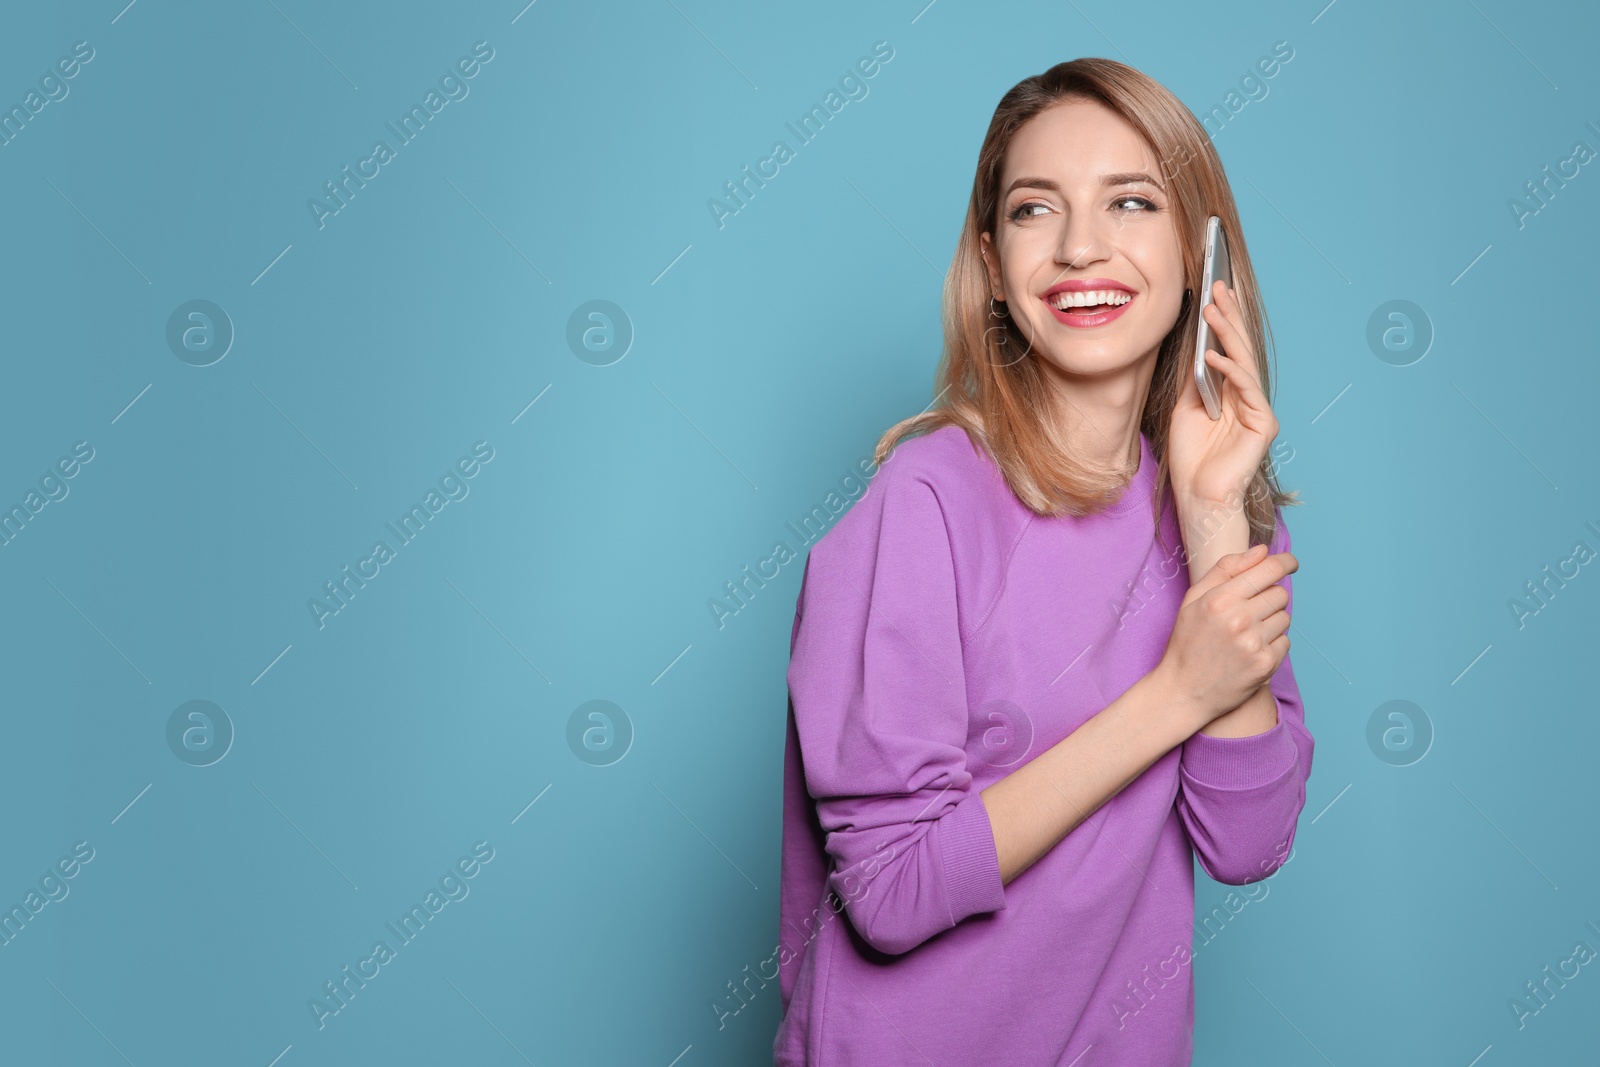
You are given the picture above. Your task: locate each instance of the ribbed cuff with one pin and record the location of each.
(1238, 763)
(971, 861)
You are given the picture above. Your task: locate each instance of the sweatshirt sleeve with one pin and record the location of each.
(880, 706)
(1240, 798)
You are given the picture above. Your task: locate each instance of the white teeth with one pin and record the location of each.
(1089, 298)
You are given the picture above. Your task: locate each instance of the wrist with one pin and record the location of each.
(1257, 715)
(1209, 533)
(1205, 516)
(1194, 502)
(1174, 703)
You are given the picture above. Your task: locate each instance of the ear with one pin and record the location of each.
(991, 262)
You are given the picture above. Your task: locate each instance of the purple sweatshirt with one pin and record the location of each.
(944, 636)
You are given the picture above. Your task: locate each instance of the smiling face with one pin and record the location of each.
(1084, 250)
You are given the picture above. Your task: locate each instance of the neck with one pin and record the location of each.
(1098, 420)
(1102, 443)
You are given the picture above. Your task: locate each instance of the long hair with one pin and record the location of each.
(1002, 401)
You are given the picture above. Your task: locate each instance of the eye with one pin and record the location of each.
(1129, 203)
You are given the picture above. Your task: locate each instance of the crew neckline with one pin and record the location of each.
(1138, 488)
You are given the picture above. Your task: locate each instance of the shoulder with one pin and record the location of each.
(946, 458)
(944, 465)
(939, 489)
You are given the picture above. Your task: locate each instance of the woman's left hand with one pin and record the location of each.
(1212, 459)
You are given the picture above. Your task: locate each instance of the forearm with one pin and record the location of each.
(1210, 530)
(1039, 803)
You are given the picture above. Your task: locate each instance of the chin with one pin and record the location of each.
(1098, 356)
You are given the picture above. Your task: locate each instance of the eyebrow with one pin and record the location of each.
(1136, 177)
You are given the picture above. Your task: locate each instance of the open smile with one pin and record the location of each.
(1073, 304)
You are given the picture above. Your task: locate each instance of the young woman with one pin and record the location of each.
(1043, 662)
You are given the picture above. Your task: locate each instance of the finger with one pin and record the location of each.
(1229, 568)
(1275, 625)
(1230, 304)
(1230, 328)
(1228, 321)
(1228, 347)
(1257, 409)
(1269, 602)
(1237, 372)
(1256, 578)
(1279, 565)
(1232, 295)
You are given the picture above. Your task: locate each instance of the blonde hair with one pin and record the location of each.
(1003, 402)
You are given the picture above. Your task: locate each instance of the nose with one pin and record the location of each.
(1084, 239)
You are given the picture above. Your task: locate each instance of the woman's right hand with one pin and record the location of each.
(1230, 635)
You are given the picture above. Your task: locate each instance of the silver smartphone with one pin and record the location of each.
(1216, 268)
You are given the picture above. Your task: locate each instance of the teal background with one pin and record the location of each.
(432, 712)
